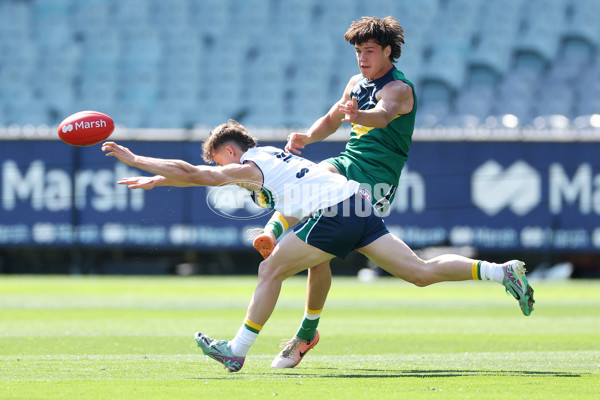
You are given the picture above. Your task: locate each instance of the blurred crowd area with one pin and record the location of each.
(283, 63)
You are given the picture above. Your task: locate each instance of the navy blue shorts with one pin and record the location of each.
(346, 226)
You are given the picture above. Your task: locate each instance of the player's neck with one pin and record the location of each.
(384, 70)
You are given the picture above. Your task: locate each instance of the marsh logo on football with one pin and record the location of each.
(234, 202)
(518, 188)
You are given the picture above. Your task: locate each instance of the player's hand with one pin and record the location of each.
(296, 141)
(122, 153)
(350, 110)
(139, 182)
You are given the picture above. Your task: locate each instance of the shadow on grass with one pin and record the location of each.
(441, 373)
(378, 374)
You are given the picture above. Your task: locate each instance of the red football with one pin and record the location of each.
(85, 128)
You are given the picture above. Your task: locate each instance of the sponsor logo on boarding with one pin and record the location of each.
(518, 188)
(234, 202)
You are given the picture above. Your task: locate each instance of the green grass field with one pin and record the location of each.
(132, 337)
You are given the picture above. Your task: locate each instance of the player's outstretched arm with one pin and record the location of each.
(246, 175)
(150, 182)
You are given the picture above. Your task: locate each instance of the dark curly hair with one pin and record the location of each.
(386, 32)
(230, 131)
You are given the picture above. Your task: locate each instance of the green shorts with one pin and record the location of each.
(382, 193)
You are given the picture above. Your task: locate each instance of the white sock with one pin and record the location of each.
(491, 272)
(243, 340)
(312, 317)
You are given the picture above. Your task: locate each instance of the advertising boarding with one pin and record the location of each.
(490, 195)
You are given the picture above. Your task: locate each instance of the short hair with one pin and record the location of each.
(386, 32)
(229, 132)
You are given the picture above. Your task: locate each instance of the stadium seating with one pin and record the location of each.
(186, 63)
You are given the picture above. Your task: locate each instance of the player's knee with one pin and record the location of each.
(265, 270)
(268, 271)
(320, 270)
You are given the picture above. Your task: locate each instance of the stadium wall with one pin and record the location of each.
(539, 198)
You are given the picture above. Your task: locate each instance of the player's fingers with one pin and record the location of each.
(346, 111)
(293, 147)
(109, 146)
(128, 181)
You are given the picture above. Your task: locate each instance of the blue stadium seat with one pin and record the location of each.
(34, 113)
(130, 15)
(410, 63)
(447, 65)
(584, 21)
(3, 118)
(556, 98)
(495, 34)
(92, 17)
(432, 114)
(574, 57)
(225, 57)
(166, 116)
(540, 34)
(129, 115)
(476, 101)
(294, 13)
(417, 18)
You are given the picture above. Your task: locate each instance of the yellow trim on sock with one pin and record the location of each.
(314, 312)
(253, 325)
(475, 271)
(277, 216)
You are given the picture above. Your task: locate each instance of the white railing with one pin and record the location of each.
(589, 133)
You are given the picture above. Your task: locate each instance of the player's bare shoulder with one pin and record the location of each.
(398, 92)
(246, 175)
(350, 85)
(354, 79)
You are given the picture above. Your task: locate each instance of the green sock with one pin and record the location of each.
(276, 225)
(308, 328)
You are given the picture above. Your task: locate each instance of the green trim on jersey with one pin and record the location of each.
(264, 198)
